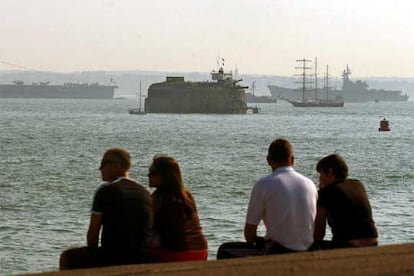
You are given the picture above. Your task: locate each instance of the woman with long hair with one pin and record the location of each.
(176, 223)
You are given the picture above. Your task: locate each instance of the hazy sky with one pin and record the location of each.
(375, 37)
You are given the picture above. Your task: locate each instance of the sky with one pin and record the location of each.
(375, 37)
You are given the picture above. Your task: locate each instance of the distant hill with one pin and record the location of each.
(128, 81)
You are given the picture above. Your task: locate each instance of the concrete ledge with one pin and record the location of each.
(381, 260)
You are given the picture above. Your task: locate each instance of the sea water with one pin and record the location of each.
(50, 152)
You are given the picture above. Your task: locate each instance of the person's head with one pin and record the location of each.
(280, 153)
(331, 168)
(165, 175)
(115, 163)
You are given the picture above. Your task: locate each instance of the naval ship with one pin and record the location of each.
(221, 95)
(351, 91)
(66, 91)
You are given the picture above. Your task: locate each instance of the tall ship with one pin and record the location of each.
(351, 91)
(65, 91)
(317, 100)
(221, 95)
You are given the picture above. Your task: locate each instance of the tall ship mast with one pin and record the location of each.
(139, 110)
(304, 77)
(305, 88)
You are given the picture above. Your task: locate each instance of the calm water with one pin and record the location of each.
(50, 151)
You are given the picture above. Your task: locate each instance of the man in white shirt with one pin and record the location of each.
(286, 202)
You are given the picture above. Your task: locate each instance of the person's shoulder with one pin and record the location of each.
(268, 178)
(352, 183)
(102, 187)
(303, 177)
(103, 191)
(352, 180)
(131, 182)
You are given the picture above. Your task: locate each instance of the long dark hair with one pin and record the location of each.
(171, 187)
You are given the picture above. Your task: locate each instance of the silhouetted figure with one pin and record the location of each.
(176, 222)
(344, 204)
(121, 212)
(286, 202)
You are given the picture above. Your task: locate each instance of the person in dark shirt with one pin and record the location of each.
(344, 204)
(176, 222)
(121, 212)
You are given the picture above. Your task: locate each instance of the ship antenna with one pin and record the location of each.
(253, 87)
(316, 78)
(327, 82)
(220, 61)
(139, 95)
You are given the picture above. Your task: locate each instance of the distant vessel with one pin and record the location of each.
(316, 102)
(138, 111)
(66, 91)
(222, 95)
(351, 91)
(252, 98)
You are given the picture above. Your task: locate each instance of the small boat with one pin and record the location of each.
(384, 125)
(254, 109)
(138, 111)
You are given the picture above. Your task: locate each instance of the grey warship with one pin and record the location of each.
(65, 91)
(222, 95)
(351, 91)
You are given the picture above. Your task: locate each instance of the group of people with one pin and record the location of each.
(136, 227)
(295, 213)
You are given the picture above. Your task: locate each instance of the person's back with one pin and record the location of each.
(176, 221)
(286, 202)
(344, 204)
(350, 215)
(177, 228)
(126, 223)
(122, 212)
(289, 201)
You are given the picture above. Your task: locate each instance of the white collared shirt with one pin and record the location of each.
(286, 202)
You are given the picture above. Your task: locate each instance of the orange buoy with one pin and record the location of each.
(384, 125)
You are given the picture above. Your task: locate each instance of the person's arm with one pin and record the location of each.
(320, 224)
(250, 232)
(94, 229)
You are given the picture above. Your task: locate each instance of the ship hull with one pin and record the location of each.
(316, 103)
(259, 99)
(72, 91)
(347, 95)
(195, 97)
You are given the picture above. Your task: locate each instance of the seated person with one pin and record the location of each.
(176, 222)
(286, 202)
(344, 204)
(122, 209)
